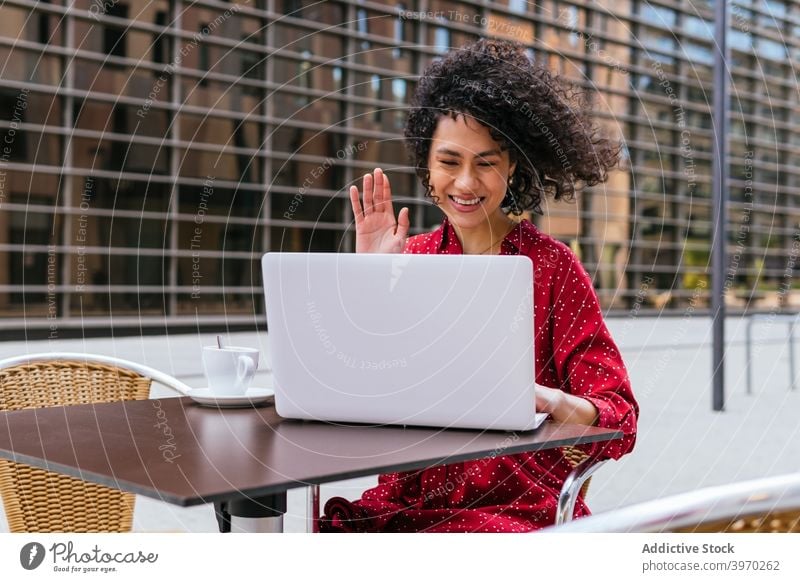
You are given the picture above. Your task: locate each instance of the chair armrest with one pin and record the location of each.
(572, 486)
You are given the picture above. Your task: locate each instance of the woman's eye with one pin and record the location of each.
(487, 164)
(449, 163)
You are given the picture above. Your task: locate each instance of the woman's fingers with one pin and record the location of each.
(379, 196)
(386, 196)
(358, 212)
(369, 205)
(377, 199)
(403, 223)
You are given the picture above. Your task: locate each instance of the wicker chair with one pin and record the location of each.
(36, 500)
(759, 506)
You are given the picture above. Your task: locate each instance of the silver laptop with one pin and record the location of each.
(428, 340)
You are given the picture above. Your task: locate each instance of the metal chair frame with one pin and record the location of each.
(146, 371)
(771, 504)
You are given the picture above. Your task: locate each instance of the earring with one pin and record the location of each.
(430, 195)
(511, 198)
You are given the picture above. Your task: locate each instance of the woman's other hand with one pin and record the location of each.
(377, 230)
(564, 407)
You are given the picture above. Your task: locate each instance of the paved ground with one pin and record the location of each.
(682, 444)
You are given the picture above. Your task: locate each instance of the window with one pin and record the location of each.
(160, 39)
(775, 11)
(441, 39)
(375, 84)
(531, 54)
(293, 8)
(698, 27)
(740, 40)
(362, 26)
(570, 19)
(770, 49)
(399, 31)
(119, 149)
(658, 45)
(30, 267)
(644, 83)
(114, 41)
(250, 68)
(399, 96)
(13, 106)
(338, 75)
(44, 26)
(658, 16)
(203, 57)
(304, 77)
(518, 6)
(698, 53)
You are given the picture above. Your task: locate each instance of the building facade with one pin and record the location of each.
(151, 151)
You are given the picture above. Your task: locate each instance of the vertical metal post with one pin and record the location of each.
(719, 204)
(749, 354)
(176, 13)
(268, 111)
(791, 353)
(348, 241)
(67, 178)
(418, 210)
(312, 509)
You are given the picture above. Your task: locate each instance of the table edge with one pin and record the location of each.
(255, 492)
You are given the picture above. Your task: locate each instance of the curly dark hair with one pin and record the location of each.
(545, 122)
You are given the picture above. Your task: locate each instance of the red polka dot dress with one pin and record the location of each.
(513, 493)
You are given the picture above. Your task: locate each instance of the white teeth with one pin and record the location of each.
(464, 202)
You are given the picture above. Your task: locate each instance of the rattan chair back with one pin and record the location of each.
(576, 456)
(768, 522)
(36, 500)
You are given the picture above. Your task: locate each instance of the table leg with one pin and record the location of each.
(791, 354)
(312, 509)
(252, 515)
(748, 359)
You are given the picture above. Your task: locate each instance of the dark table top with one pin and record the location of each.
(179, 452)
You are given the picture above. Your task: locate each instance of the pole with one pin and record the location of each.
(719, 203)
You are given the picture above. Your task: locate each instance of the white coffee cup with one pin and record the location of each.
(229, 370)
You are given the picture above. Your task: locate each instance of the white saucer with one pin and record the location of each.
(253, 397)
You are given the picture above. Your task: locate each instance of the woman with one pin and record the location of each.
(491, 134)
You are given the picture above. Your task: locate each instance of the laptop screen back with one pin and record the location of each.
(433, 340)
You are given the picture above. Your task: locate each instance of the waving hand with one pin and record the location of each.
(377, 230)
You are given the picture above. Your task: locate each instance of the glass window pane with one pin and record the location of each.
(298, 39)
(298, 239)
(698, 27)
(211, 201)
(658, 15)
(30, 66)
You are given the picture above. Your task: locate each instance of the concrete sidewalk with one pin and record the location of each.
(682, 445)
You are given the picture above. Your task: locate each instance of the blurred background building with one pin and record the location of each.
(151, 151)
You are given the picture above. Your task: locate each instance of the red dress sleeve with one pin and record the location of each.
(587, 362)
(372, 512)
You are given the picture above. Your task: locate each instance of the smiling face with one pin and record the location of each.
(468, 173)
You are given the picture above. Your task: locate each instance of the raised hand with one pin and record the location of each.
(377, 230)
